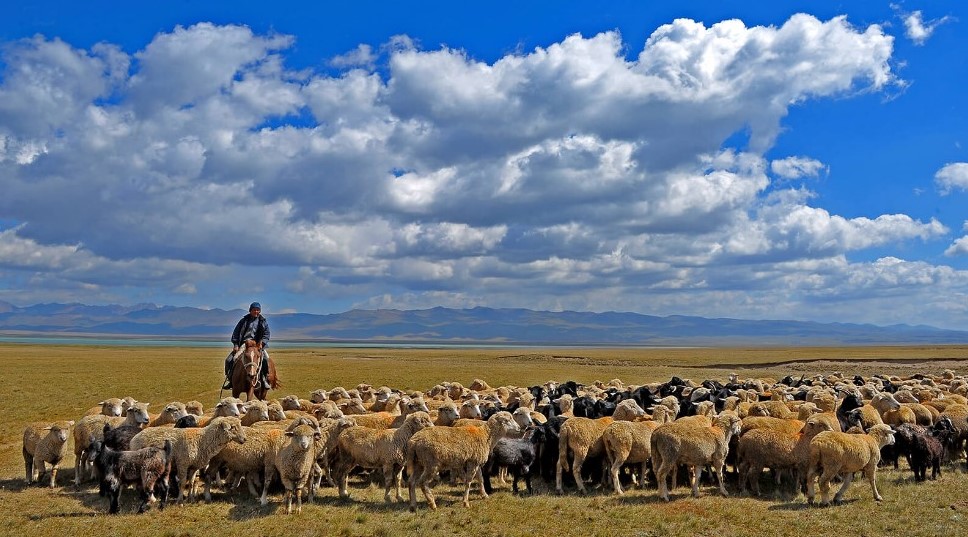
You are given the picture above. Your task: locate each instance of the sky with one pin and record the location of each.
(753, 160)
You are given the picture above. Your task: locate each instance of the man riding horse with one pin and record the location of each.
(255, 327)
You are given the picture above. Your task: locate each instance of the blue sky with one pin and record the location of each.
(796, 160)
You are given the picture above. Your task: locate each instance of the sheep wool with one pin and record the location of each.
(45, 443)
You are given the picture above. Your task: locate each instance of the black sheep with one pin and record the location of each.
(148, 468)
(519, 455)
(925, 446)
(119, 438)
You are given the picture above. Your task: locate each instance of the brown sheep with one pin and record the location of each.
(682, 443)
(833, 454)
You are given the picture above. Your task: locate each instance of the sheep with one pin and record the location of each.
(762, 448)
(751, 423)
(276, 412)
(195, 408)
(186, 421)
(677, 443)
(958, 414)
(327, 409)
(107, 407)
(372, 448)
(294, 461)
(293, 402)
(135, 416)
(516, 454)
(168, 415)
(629, 410)
(244, 460)
(194, 448)
(892, 412)
(628, 442)
(924, 446)
(255, 411)
(478, 385)
(326, 449)
(45, 443)
(460, 449)
(833, 454)
(318, 396)
(148, 468)
(352, 407)
(583, 436)
(228, 407)
(447, 414)
(471, 409)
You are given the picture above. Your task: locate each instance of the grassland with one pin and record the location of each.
(61, 382)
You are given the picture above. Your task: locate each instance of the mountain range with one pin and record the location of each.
(457, 326)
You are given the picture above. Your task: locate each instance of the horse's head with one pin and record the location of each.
(252, 359)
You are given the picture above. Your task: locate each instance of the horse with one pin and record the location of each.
(245, 373)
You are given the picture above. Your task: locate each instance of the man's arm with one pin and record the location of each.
(265, 334)
(237, 334)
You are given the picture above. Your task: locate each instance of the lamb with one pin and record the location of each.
(108, 407)
(833, 454)
(373, 448)
(45, 443)
(244, 460)
(677, 443)
(228, 407)
(583, 436)
(460, 449)
(516, 454)
(293, 402)
(148, 468)
(629, 410)
(447, 414)
(892, 412)
(924, 446)
(168, 415)
(194, 448)
(93, 426)
(628, 442)
(194, 408)
(294, 463)
(255, 411)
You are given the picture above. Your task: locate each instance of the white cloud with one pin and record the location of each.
(953, 176)
(916, 28)
(958, 248)
(564, 177)
(797, 167)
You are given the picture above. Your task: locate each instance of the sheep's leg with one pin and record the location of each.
(871, 475)
(207, 480)
(53, 474)
(397, 473)
(192, 482)
(643, 470)
(697, 473)
(718, 468)
(843, 488)
(182, 483)
(270, 471)
(616, 466)
(78, 460)
(29, 466)
(299, 500)
(576, 470)
(811, 484)
(824, 482)
(288, 501)
(428, 473)
(562, 466)
(411, 487)
(662, 476)
(250, 481)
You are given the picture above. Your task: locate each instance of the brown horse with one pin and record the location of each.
(245, 373)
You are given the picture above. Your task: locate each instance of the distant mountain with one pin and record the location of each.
(443, 325)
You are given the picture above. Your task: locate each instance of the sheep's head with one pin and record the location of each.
(883, 433)
(417, 404)
(504, 423)
(522, 416)
(447, 413)
(257, 410)
(276, 412)
(194, 407)
(60, 430)
(304, 436)
(470, 409)
(290, 402)
(318, 396)
(233, 427)
(111, 407)
(884, 402)
(139, 413)
(174, 410)
(417, 421)
(944, 429)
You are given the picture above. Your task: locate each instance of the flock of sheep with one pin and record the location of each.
(807, 431)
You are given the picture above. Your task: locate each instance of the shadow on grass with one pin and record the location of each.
(798, 506)
(18, 485)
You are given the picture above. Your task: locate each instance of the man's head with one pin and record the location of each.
(255, 309)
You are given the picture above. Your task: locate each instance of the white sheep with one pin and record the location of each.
(462, 450)
(294, 463)
(194, 448)
(833, 454)
(683, 443)
(628, 442)
(45, 443)
(583, 437)
(373, 448)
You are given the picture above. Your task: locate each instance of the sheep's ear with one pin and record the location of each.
(102, 403)
(227, 426)
(48, 428)
(70, 423)
(289, 433)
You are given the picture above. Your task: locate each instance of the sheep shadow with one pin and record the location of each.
(18, 485)
(803, 506)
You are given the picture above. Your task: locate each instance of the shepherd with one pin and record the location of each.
(254, 328)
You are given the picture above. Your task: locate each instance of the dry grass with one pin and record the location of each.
(61, 382)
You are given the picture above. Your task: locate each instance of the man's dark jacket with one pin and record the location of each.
(261, 331)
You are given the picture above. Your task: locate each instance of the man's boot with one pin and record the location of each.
(264, 371)
(229, 363)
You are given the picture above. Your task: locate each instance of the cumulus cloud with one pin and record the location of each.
(916, 28)
(797, 167)
(568, 176)
(953, 176)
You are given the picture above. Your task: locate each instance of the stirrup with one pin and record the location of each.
(227, 385)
